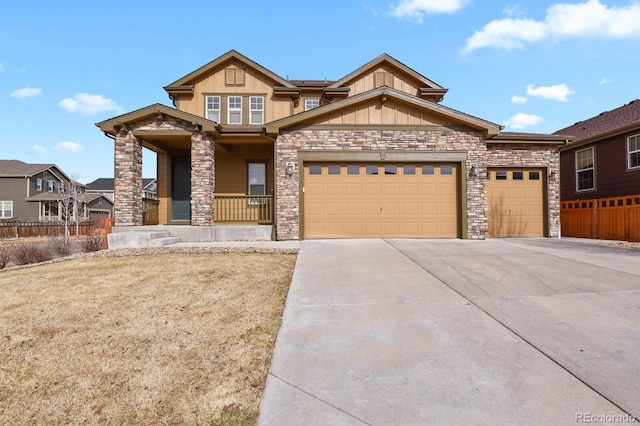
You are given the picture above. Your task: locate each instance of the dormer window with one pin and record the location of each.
(311, 104)
(50, 186)
(38, 184)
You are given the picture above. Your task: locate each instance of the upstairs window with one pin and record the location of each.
(585, 170)
(51, 185)
(256, 110)
(6, 209)
(38, 184)
(234, 113)
(311, 104)
(633, 149)
(213, 108)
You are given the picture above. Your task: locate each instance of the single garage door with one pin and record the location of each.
(516, 202)
(380, 200)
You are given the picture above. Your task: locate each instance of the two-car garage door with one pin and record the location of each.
(343, 200)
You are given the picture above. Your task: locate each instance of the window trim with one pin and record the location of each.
(249, 184)
(208, 110)
(629, 152)
(230, 110)
(51, 186)
(39, 184)
(252, 110)
(3, 208)
(592, 168)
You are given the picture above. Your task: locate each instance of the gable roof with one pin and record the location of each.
(429, 84)
(110, 126)
(186, 83)
(606, 124)
(490, 129)
(17, 168)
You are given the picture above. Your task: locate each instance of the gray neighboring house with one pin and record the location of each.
(31, 192)
(105, 186)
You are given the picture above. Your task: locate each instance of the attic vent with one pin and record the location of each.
(383, 79)
(234, 77)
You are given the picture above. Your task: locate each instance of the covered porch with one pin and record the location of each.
(205, 175)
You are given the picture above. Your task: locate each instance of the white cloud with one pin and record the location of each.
(518, 99)
(520, 121)
(559, 92)
(589, 19)
(70, 146)
(415, 9)
(39, 149)
(88, 104)
(27, 92)
(604, 81)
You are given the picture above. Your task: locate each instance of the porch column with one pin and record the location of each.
(202, 179)
(127, 197)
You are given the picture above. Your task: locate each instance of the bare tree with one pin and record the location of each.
(70, 200)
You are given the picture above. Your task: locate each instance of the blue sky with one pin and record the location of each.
(531, 66)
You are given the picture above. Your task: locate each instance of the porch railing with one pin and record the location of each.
(244, 208)
(150, 211)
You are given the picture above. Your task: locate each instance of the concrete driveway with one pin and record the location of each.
(535, 331)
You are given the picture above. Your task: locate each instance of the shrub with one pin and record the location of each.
(59, 246)
(94, 240)
(31, 253)
(5, 256)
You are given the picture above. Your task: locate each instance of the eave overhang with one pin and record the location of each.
(620, 131)
(438, 94)
(113, 125)
(384, 93)
(530, 138)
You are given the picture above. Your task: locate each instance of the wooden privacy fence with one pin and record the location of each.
(615, 218)
(244, 208)
(23, 229)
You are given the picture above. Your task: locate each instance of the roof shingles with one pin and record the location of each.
(619, 119)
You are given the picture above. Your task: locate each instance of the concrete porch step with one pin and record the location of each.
(141, 239)
(164, 235)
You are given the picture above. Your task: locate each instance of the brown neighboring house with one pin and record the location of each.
(600, 169)
(373, 154)
(31, 192)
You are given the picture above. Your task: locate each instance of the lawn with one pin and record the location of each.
(152, 339)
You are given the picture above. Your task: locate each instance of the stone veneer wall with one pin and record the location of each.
(127, 196)
(525, 155)
(438, 139)
(432, 140)
(202, 179)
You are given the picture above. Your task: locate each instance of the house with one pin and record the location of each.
(104, 186)
(373, 154)
(600, 169)
(99, 206)
(35, 192)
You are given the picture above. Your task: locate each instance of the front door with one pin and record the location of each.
(181, 188)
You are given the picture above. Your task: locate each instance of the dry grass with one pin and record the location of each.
(158, 339)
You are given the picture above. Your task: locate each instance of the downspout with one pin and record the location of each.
(275, 181)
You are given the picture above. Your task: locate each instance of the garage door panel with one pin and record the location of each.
(380, 205)
(516, 206)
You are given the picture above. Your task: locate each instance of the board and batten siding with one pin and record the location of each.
(400, 81)
(255, 84)
(388, 113)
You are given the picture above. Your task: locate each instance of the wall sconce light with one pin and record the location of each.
(473, 172)
(289, 169)
(553, 175)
